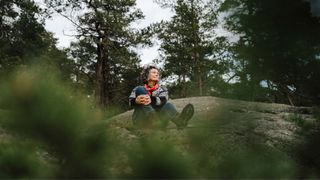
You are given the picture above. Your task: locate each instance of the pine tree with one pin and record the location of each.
(188, 41)
(22, 34)
(279, 43)
(105, 27)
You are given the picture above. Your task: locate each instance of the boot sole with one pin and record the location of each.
(187, 114)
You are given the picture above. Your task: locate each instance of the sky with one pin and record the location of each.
(63, 29)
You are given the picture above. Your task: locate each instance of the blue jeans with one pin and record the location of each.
(142, 112)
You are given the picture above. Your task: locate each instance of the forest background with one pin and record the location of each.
(271, 54)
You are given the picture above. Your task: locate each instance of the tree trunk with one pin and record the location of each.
(184, 90)
(290, 99)
(196, 50)
(252, 86)
(180, 85)
(199, 74)
(106, 88)
(99, 83)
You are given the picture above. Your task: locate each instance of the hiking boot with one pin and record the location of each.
(182, 119)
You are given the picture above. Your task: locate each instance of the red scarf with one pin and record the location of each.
(150, 90)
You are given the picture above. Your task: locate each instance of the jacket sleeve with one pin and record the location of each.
(132, 98)
(162, 98)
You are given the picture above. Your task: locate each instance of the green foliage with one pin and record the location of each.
(24, 40)
(304, 126)
(158, 159)
(105, 64)
(307, 152)
(22, 35)
(50, 132)
(255, 163)
(190, 47)
(61, 123)
(19, 160)
(316, 112)
(278, 44)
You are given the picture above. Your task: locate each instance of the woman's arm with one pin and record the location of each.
(162, 98)
(132, 98)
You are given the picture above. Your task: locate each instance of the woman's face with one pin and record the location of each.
(153, 75)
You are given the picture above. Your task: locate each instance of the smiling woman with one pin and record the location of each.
(150, 103)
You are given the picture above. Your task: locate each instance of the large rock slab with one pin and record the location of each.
(233, 122)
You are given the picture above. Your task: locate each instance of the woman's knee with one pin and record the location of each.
(169, 105)
(169, 109)
(141, 91)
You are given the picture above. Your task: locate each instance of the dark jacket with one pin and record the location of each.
(159, 97)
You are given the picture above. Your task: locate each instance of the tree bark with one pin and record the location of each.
(99, 83)
(184, 90)
(196, 50)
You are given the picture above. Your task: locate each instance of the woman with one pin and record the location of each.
(150, 103)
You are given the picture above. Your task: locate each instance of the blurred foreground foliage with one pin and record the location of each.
(49, 131)
(37, 109)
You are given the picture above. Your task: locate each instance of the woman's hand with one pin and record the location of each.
(143, 99)
(147, 100)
